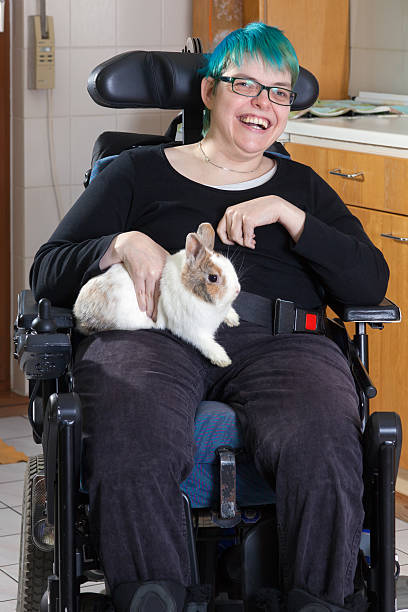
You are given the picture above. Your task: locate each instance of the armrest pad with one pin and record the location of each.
(28, 310)
(384, 312)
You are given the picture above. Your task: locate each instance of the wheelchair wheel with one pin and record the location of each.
(35, 564)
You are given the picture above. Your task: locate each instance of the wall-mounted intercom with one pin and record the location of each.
(42, 62)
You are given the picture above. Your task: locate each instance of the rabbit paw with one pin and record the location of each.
(220, 358)
(232, 318)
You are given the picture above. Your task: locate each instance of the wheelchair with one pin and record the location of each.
(231, 523)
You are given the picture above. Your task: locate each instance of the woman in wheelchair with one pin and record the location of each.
(294, 240)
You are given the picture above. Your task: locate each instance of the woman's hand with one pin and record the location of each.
(144, 259)
(239, 221)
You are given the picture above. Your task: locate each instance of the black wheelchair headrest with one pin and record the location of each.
(161, 79)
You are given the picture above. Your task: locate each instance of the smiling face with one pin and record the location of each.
(246, 126)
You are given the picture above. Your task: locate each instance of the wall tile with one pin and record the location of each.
(376, 70)
(18, 83)
(140, 121)
(18, 151)
(18, 222)
(17, 38)
(177, 22)
(92, 23)
(83, 61)
(76, 191)
(84, 132)
(41, 215)
(375, 24)
(138, 23)
(36, 156)
(166, 117)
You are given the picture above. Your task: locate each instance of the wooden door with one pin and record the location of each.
(5, 343)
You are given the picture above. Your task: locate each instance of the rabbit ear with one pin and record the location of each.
(207, 235)
(195, 250)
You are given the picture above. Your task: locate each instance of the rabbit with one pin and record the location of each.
(197, 289)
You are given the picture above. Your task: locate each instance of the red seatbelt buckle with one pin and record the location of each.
(311, 321)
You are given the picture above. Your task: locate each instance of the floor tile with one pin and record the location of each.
(11, 570)
(8, 606)
(14, 427)
(9, 549)
(401, 538)
(8, 587)
(11, 493)
(400, 525)
(10, 522)
(12, 472)
(402, 560)
(26, 445)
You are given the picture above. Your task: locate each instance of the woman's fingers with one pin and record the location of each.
(222, 231)
(156, 301)
(151, 281)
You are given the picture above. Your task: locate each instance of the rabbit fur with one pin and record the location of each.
(197, 289)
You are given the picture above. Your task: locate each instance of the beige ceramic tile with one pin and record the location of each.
(83, 61)
(36, 155)
(375, 24)
(9, 549)
(8, 606)
(140, 121)
(177, 22)
(10, 523)
(138, 23)
(84, 132)
(42, 215)
(92, 23)
(377, 70)
(8, 587)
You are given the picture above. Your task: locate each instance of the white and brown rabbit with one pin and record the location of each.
(197, 289)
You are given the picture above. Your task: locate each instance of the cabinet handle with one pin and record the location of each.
(397, 238)
(356, 176)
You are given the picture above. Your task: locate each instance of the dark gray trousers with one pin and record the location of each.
(298, 408)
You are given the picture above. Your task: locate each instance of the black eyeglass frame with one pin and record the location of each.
(229, 79)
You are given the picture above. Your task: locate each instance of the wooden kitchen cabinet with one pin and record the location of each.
(373, 201)
(319, 32)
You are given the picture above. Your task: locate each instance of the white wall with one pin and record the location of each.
(379, 46)
(86, 33)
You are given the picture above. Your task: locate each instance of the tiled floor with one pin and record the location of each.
(16, 431)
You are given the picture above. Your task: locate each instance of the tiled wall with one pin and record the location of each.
(379, 46)
(86, 33)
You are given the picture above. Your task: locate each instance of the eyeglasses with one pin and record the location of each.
(252, 89)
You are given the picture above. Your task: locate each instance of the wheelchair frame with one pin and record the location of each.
(43, 347)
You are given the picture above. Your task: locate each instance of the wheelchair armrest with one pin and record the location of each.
(27, 310)
(384, 312)
(42, 354)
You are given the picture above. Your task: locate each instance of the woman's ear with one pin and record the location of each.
(207, 91)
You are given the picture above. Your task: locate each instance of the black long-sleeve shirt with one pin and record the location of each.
(141, 191)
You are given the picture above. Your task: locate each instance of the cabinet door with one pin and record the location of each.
(381, 182)
(319, 32)
(388, 348)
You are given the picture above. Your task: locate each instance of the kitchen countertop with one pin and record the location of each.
(385, 131)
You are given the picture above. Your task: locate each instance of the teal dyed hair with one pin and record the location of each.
(259, 41)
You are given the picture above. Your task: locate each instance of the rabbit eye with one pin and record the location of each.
(212, 278)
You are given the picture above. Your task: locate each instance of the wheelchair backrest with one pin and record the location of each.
(169, 80)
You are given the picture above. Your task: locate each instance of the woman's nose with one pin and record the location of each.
(262, 99)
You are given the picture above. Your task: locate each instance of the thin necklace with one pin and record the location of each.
(207, 159)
